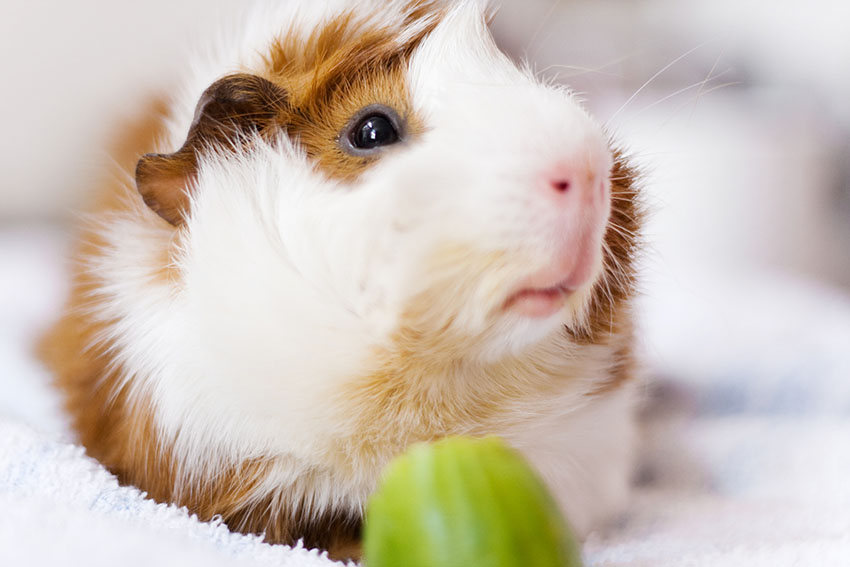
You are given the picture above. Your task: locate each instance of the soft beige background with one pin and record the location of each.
(69, 71)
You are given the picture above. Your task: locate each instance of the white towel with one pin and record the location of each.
(760, 491)
(60, 507)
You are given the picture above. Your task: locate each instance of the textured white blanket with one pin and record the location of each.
(753, 469)
(62, 508)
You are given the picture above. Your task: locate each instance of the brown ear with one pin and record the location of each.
(229, 108)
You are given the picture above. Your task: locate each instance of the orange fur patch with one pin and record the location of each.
(341, 68)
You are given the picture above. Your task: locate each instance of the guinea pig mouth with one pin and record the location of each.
(539, 303)
(544, 293)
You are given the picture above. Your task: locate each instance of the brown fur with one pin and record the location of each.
(230, 108)
(609, 314)
(622, 244)
(340, 69)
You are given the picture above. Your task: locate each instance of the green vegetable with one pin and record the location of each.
(464, 502)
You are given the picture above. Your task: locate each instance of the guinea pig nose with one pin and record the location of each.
(560, 185)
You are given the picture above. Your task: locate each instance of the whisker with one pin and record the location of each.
(599, 69)
(624, 199)
(540, 27)
(652, 78)
(695, 98)
(624, 232)
(700, 84)
(707, 77)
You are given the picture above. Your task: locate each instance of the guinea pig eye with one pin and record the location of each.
(370, 130)
(374, 131)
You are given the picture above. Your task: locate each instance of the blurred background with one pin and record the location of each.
(737, 111)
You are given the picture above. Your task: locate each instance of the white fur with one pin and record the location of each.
(290, 282)
(585, 456)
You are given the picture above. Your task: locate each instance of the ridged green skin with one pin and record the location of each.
(463, 502)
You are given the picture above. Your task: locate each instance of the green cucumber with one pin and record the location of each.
(464, 502)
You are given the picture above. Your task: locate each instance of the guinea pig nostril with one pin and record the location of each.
(560, 185)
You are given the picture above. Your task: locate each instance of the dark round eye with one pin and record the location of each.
(370, 130)
(374, 131)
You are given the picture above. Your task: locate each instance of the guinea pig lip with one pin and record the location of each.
(539, 301)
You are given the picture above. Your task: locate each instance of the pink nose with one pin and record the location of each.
(560, 185)
(570, 187)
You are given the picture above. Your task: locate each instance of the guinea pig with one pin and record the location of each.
(355, 226)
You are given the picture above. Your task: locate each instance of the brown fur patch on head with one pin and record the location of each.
(310, 88)
(340, 68)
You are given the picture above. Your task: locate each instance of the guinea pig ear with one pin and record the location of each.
(228, 109)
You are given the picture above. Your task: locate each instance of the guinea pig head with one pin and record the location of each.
(375, 185)
(483, 227)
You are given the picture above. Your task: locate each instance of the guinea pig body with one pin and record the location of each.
(357, 226)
